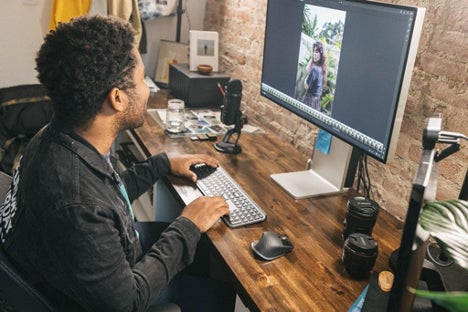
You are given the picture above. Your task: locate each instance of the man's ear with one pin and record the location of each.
(117, 99)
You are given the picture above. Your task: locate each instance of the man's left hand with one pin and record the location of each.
(180, 164)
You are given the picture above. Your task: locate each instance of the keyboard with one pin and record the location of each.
(217, 182)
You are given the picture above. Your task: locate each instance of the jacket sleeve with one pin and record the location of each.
(142, 176)
(86, 261)
(173, 252)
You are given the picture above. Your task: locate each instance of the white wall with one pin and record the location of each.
(22, 27)
(24, 23)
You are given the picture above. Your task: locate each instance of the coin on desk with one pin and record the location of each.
(385, 280)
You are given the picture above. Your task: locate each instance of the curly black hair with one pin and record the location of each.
(81, 61)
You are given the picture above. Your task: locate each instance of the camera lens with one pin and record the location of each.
(360, 216)
(359, 254)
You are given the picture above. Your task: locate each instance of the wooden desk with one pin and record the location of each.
(311, 277)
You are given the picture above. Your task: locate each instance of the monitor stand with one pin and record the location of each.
(325, 173)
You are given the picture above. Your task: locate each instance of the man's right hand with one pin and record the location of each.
(205, 211)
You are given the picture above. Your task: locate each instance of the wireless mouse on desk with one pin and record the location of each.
(272, 245)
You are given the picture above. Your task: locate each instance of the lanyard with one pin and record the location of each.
(121, 186)
(124, 193)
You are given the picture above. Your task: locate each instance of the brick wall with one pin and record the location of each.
(439, 84)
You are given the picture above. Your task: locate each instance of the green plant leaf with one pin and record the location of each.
(447, 222)
(452, 301)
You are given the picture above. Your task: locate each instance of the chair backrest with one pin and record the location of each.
(15, 292)
(5, 180)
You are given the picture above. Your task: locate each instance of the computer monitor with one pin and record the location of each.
(356, 88)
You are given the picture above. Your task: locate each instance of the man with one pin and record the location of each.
(68, 225)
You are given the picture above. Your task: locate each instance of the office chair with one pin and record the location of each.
(15, 292)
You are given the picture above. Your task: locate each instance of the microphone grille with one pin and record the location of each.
(234, 86)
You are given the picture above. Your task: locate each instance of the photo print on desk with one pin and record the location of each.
(197, 121)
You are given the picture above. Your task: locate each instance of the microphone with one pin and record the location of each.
(231, 102)
(231, 115)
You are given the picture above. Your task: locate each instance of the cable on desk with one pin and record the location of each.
(363, 177)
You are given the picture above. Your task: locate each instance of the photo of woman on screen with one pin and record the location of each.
(318, 59)
(317, 76)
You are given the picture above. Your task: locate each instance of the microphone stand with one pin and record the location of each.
(226, 146)
(180, 11)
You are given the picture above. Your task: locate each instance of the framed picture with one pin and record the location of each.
(169, 53)
(204, 47)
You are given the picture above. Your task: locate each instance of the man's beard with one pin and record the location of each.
(133, 117)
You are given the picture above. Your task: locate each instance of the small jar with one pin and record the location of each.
(360, 216)
(175, 116)
(359, 254)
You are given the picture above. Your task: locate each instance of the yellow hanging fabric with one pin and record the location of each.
(129, 11)
(64, 10)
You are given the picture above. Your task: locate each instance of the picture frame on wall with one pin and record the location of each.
(204, 49)
(170, 52)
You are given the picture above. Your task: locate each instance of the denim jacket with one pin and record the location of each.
(67, 228)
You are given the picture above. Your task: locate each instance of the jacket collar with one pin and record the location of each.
(78, 145)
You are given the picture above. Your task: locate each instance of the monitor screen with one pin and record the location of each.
(345, 66)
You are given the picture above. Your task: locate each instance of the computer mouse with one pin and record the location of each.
(272, 245)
